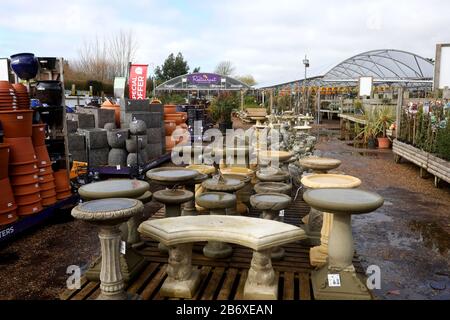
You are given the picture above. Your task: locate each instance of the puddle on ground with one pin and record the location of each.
(432, 235)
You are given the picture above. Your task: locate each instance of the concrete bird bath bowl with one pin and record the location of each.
(273, 187)
(170, 176)
(320, 165)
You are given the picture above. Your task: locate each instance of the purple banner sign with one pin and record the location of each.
(203, 78)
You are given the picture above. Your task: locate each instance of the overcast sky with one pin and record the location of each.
(265, 38)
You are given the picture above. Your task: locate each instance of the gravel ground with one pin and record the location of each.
(408, 238)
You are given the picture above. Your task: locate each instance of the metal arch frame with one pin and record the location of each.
(162, 88)
(384, 54)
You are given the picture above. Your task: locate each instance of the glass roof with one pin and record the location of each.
(383, 65)
(202, 81)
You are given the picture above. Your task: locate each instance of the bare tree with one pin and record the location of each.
(104, 58)
(225, 68)
(247, 79)
(123, 47)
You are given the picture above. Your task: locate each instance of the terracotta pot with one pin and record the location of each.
(4, 160)
(62, 181)
(7, 202)
(38, 134)
(28, 168)
(17, 123)
(48, 193)
(383, 143)
(30, 209)
(49, 201)
(24, 179)
(184, 126)
(26, 189)
(8, 218)
(21, 150)
(28, 199)
(42, 156)
(46, 178)
(170, 126)
(63, 195)
(47, 186)
(170, 109)
(45, 170)
(116, 109)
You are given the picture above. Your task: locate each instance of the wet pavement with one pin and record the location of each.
(408, 238)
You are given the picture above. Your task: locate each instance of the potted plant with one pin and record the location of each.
(383, 119)
(221, 109)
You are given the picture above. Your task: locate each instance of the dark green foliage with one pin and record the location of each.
(223, 105)
(171, 68)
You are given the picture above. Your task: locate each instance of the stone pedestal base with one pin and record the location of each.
(261, 292)
(131, 265)
(124, 296)
(217, 250)
(352, 288)
(313, 226)
(262, 282)
(181, 289)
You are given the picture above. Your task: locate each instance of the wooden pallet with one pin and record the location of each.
(222, 279)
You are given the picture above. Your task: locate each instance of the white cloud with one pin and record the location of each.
(265, 38)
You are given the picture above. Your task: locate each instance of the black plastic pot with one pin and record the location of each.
(49, 92)
(371, 143)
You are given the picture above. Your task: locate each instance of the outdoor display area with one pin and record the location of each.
(183, 212)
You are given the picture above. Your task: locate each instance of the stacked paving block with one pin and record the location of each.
(77, 147)
(96, 145)
(153, 116)
(77, 121)
(101, 116)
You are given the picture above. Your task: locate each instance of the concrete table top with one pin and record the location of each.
(216, 200)
(324, 181)
(343, 201)
(255, 233)
(116, 188)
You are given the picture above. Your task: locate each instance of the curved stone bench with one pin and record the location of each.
(180, 233)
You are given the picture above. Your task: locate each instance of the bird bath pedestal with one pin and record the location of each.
(271, 204)
(189, 207)
(217, 203)
(228, 185)
(313, 220)
(318, 255)
(342, 203)
(108, 214)
(132, 262)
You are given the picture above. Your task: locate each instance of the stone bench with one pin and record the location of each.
(179, 234)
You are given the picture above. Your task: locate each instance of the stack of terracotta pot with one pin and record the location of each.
(8, 206)
(62, 182)
(23, 168)
(174, 120)
(8, 99)
(23, 99)
(45, 175)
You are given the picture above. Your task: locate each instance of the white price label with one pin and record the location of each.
(123, 247)
(334, 280)
(118, 167)
(282, 213)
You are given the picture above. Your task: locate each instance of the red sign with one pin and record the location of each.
(138, 81)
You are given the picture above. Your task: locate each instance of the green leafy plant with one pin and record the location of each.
(222, 106)
(382, 118)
